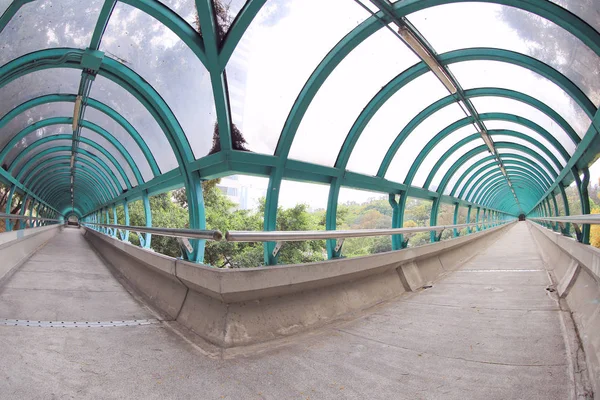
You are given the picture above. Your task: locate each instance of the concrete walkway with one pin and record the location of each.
(488, 331)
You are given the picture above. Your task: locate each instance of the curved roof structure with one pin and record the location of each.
(490, 104)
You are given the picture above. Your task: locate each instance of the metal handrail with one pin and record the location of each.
(25, 217)
(574, 219)
(173, 232)
(289, 236)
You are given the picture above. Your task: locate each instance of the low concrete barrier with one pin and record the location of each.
(576, 270)
(17, 246)
(237, 307)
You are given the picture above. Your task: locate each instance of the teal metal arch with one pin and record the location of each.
(486, 177)
(93, 127)
(110, 112)
(57, 184)
(142, 91)
(65, 172)
(24, 153)
(485, 192)
(487, 171)
(446, 132)
(475, 137)
(483, 149)
(31, 162)
(81, 163)
(154, 8)
(482, 195)
(552, 12)
(507, 158)
(493, 199)
(63, 176)
(62, 193)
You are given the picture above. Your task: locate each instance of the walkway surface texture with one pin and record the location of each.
(490, 330)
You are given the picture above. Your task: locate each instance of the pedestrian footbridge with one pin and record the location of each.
(130, 269)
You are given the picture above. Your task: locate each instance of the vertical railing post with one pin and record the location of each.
(22, 222)
(455, 220)
(563, 194)
(433, 217)
(148, 215)
(333, 250)
(469, 218)
(477, 219)
(8, 222)
(114, 208)
(126, 212)
(394, 204)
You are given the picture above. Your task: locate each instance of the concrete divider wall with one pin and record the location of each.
(236, 307)
(576, 270)
(17, 246)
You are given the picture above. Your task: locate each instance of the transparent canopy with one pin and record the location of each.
(326, 93)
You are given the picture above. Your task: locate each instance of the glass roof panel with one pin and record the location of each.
(451, 26)
(186, 9)
(33, 115)
(161, 58)
(390, 119)
(113, 127)
(473, 74)
(130, 108)
(510, 106)
(333, 111)
(45, 24)
(35, 136)
(505, 125)
(106, 145)
(408, 152)
(494, 169)
(266, 73)
(439, 175)
(442, 148)
(506, 138)
(39, 149)
(35, 84)
(587, 10)
(4, 5)
(102, 157)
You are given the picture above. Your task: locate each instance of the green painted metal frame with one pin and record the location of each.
(64, 163)
(215, 57)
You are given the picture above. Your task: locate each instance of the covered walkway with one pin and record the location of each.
(487, 330)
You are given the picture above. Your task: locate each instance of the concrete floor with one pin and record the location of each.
(487, 331)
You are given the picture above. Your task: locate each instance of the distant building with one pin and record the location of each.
(245, 195)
